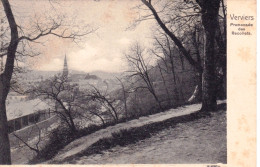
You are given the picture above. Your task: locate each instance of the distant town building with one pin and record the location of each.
(23, 112)
(65, 72)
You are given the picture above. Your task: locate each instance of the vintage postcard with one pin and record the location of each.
(128, 82)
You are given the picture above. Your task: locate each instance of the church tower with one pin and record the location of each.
(65, 67)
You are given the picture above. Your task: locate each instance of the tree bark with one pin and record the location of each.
(113, 109)
(124, 96)
(199, 98)
(222, 60)
(158, 101)
(152, 90)
(176, 92)
(72, 124)
(103, 121)
(5, 155)
(210, 10)
(166, 89)
(195, 39)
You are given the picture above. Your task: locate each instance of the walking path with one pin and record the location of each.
(83, 143)
(199, 141)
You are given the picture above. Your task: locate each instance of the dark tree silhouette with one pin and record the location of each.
(51, 27)
(140, 69)
(209, 11)
(104, 99)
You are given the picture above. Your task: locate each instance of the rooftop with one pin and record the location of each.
(25, 107)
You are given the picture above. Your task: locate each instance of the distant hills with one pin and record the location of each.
(35, 74)
(106, 75)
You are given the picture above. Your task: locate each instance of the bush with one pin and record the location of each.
(88, 130)
(58, 139)
(62, 136)
(121, 138)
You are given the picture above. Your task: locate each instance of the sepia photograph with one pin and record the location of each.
(114, 81)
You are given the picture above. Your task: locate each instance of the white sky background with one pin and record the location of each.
(102, 50)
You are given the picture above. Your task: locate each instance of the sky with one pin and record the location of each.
(102, 50)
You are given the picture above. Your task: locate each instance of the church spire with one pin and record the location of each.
(65, 67)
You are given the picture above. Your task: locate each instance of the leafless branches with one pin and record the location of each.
(62, 97)
(105, 100)
(58, 27)
(139, 68)
(27, 141)
(172, 35)
(124, 91)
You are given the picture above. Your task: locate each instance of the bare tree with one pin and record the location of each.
(221, 41)
(88, 108)
(173, 37)
(26, 141)
(40, 29)
(67, 101)
(169, 57)
(124, 91)
(209, 10)
(140, 69)
(105, 100)
(63, 97)
(209, 17)
(175, 26)
(164, 83)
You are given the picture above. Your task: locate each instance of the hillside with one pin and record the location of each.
(185, 143)
(180, 135)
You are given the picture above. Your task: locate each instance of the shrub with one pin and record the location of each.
(58, 138)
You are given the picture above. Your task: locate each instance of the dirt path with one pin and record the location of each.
(81, 144)
(198, 141)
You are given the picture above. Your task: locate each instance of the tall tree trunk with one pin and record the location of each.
(157, 100)
(125, 103)
(72, 124)
(5, 156)
(176, 92)
(195, 39)
(113, 109)
(152, 91)
(199, 98)
(103, 121)
(181, 99)
(210, 10)
(221, 60)
(166, 89)
(125, 98)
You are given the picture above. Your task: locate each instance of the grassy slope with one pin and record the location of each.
(186, 139)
